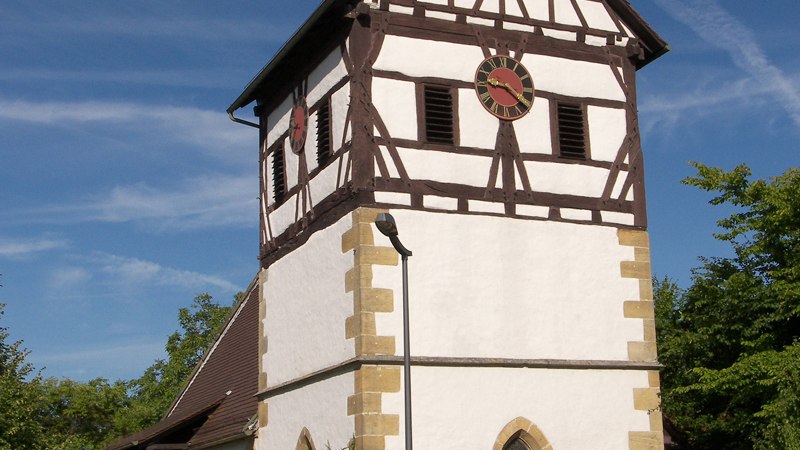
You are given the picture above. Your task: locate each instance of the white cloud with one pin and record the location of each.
(203, 202)
(67, 277)
(191, 28)
(160, 21)
(22, 248)
(197, 78)
(207, 129)
(100, 352)
(138, 271)
(716, 26)
(707, 99)
(115, 361)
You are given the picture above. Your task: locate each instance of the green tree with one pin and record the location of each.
(730, 343)
(70, 415)
(19, 397)
(154, 391)
(80, 415)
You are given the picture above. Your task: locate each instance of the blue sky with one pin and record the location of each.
(125, 191)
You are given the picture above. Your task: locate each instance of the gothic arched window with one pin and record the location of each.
(516, 443)
(521, 434)
(304, 441)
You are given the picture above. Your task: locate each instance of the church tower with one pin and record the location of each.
(503, 137)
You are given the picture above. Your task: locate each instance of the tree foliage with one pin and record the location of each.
(730, 342)
(37, 413)
(154, 391)
(80, 415)
(19, 396)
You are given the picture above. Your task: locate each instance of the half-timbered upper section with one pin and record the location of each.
(521, 108)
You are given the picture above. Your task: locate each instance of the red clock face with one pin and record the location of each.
(298, 126)
(504, 87)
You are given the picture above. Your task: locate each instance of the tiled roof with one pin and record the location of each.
(219, 399)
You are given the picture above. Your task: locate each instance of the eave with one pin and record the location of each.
(327, 11)
(331, 11)
(654, 46)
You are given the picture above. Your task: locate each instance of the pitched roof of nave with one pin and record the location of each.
(335, 16)
(219, 399)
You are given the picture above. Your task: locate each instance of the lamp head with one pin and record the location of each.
(386, 224)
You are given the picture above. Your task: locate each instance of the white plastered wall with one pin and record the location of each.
(412, 57)
(320, 407)
(283, 217)
(573, 78)
(466, 408)
(396, 99)
(494, 287)
(607, 128)
(242, 444)
(307, 307)
(596, 15)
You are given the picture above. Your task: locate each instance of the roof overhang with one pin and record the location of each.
(653, 45)
(163, 428)
(328, 11)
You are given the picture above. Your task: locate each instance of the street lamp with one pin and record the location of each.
(386, 225)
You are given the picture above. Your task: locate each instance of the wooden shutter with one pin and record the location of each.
(278, 179)
(571, 131)
(324, 132)
(439, 126)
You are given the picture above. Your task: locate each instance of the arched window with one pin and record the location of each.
(521, 434)
(516, 443)
(304, 441)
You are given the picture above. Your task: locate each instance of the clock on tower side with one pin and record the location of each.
(503, 137)
(506, 144)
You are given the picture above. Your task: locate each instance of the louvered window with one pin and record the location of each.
(439, 126)
(278, 181)
(571, 132)
(324, 132)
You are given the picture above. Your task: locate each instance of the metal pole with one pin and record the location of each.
(387, 226)
(406, 355)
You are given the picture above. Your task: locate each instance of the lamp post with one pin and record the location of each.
(387, 226)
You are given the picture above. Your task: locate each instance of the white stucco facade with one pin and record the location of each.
(320, 407)
(494, 287)
(466, 408)
(306, 307)
(529, 294)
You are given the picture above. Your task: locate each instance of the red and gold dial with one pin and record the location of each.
(504, 87)
(298, 125)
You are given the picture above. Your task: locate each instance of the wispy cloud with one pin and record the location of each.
(23, 248)
(210, 130)
(161, 22)
(116, 361)
(718, 27)
(67, 277)
(196, 203)
(703, 100)
(195, 78)
(156, 27)
(135, 270)
(97, 353)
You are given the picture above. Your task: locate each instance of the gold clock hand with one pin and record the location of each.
(516, 94)
(497, 83)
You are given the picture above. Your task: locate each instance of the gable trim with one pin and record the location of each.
(236, 310)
